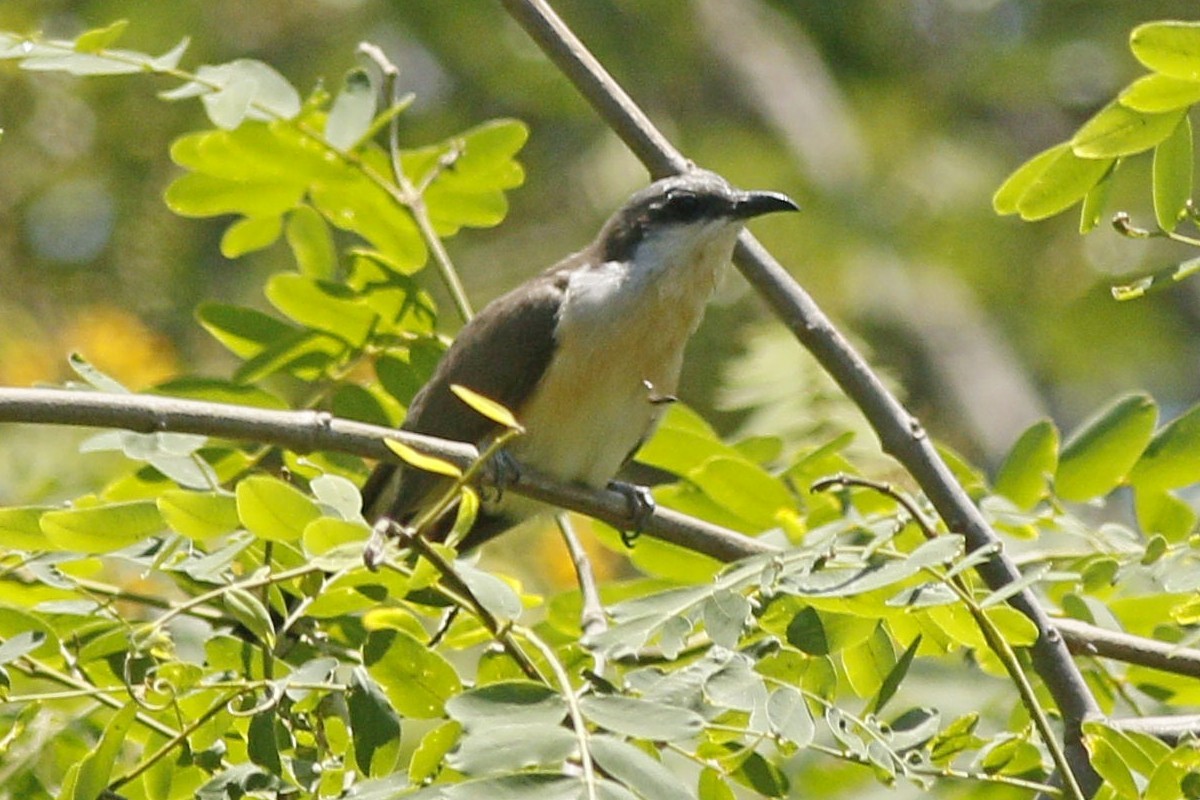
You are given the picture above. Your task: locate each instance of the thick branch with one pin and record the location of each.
(305, 431)
(899, 432)
(1091, 640)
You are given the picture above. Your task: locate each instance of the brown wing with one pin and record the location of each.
(502, 354)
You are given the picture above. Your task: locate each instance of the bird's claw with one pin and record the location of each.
(502, 471)
(641, 508)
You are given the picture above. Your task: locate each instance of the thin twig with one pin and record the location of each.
(592, 619)
(458, 590)
(900, 434)
(413, 197)
(577, 723)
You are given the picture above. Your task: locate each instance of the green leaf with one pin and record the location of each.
(20, 645)
(274, 510)
(511, 746)
(1049, 183)
(430, 755)
(96, 768)
(725, 615)
(1120, 131)
(246, 89)
(417, 680)
(1102, 451)
(98, 39)
(1006, 198)
(486, 407)
(218, 390)
(1108, 763)
(245, 332)
(375, 725)
(417, 459)
(641, 718)
(198, 515)
(713, 786)
(1157, 93)
(247, 609)
(306, 354)
(200, 195)
(1161, 512)
(360, 206)
(743, 488)
(635, 769)
(102, 529)
(250, 234)
(353, 109)
(21, 529)
(894, 678)
(1032, 461)
(471, 193)
(869, 663)
(261, 744)
(514, 702)
(1173, 176)
(1172, 459)
(683, 441)
(94, 376)
(1172, 48)
(789, 716)
(311, 241)
(1095, 201)
(323, 306)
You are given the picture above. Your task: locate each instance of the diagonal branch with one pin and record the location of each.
(899, 432)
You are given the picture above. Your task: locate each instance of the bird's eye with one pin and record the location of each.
(683, 207)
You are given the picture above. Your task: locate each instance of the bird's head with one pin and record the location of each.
(679, 217)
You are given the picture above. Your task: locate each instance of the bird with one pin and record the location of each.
(587, 354)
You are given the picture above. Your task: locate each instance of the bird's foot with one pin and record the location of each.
(501, 472)
(641, 508)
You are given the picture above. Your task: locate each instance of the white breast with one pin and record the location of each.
(619, 328)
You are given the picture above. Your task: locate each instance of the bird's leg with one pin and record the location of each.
(641, 507)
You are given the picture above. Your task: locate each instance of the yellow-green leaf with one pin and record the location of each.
(198, 515)
(1031, 462)
(486, 407)
(1173, 165)
(421, 461)
(1101, 453)
(274, 510)
(1172, 48)
(102, 529)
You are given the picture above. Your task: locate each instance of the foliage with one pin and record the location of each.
(1150, 114)
(204, 624)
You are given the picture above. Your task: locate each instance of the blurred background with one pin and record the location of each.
(890, 121)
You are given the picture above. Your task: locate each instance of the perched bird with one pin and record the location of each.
(586, 354)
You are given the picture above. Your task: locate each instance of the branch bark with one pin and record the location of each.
(900, 434)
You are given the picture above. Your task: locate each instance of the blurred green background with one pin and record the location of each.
(891, 122)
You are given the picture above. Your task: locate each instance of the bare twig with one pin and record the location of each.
(413, 196)
(592, 620)
(900, 434)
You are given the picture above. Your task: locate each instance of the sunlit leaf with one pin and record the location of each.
(198, 515)
(1117, 130)
(1157, 93)
(375, 725)
(1172, 48)
(274, 510)
(250, 234)
(102, 528)
(1172, 182)
(97, 766)
(352, 111)
(1023, 476)
(100, 38)
(486, 407)
(1102, 451)
(633, 717)
(634, 768)
(311, 241)
(417, 680)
